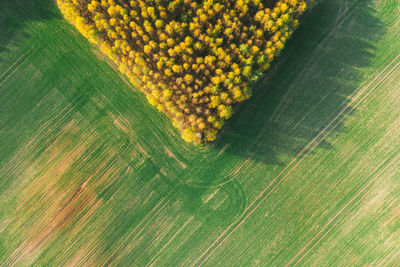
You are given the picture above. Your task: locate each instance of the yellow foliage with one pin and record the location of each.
(188, 78)
(190, 70)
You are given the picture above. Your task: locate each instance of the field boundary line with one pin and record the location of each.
(326, 230)
(300, 157)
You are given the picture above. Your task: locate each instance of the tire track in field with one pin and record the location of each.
(347, 207)
(27, 55)
(39, 235)
(391, 12)
(295, 162)
(110, 258)
(128, 137)
(17, 60)
(50, 126)
(389, 257)
(310, 64)
(42, 134)
(156, 257)
(389, 263)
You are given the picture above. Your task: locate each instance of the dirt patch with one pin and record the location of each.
(171, 155)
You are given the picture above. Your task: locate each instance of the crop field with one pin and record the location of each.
(307, 172)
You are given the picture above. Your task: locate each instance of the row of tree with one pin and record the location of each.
(193, 59)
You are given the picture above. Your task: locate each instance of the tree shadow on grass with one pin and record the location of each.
(306, 89)
(308, 86)
(17, 14)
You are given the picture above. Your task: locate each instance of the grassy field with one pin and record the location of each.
(305, 173)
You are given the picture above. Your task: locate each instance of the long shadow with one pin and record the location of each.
(308, 85)
(307, 88)
(17, 14)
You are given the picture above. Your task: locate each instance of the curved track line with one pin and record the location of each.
(301, 156)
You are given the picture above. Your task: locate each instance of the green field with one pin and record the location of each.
(307, 171)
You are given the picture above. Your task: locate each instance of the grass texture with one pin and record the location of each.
(305, 173)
